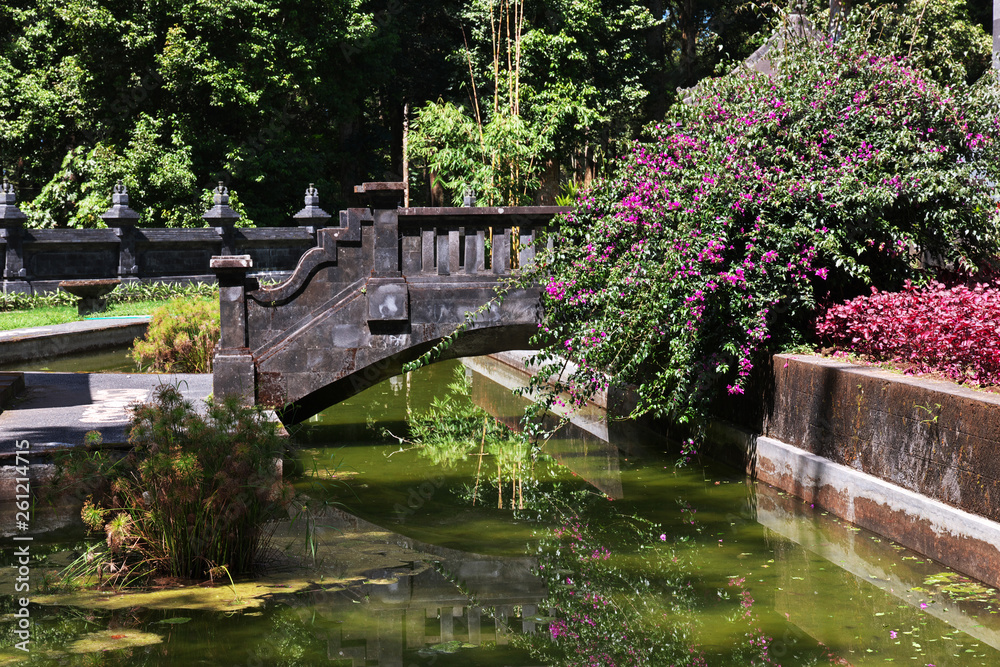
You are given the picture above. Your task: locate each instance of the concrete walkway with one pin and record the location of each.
(57, 409)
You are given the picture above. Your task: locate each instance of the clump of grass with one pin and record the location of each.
(181, 338)
(196, 494)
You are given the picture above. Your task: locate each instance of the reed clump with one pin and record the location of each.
(197, 495)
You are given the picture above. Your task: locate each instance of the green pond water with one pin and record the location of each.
(112, 360)
(609, 556)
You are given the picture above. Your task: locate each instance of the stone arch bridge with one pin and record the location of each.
(378, 291)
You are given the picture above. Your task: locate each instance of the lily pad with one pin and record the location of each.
(113, 640)
(176, 620)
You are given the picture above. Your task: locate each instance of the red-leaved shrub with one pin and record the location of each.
(954, 331)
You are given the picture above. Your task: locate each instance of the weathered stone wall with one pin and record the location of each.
(913, 459)
(935, 438)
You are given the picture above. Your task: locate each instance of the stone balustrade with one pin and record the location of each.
(36, 260)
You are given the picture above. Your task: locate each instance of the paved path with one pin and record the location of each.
(57, 409)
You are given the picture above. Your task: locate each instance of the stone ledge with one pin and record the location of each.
(53, 341)
(932, 437)
(910, 458)
(963, 541)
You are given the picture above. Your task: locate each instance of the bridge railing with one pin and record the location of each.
(469, 241)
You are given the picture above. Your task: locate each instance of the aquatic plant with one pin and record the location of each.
(953, 331)
(195, 495)
(181, 337)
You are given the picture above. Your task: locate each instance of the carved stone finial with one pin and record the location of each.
(312, 214)
(220, 211)
(469, 198)
(221, 194)
(8, 203)
(119, 214)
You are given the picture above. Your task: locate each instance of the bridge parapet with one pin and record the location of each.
(376, 292)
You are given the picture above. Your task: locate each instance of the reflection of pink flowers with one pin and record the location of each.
(892, 633)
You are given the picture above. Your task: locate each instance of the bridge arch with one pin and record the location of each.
(379, 290)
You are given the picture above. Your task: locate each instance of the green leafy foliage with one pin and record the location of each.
(171, 97)
(936, 36)
(195, 494)
(500, 161)
(181, 337)
(546, 84)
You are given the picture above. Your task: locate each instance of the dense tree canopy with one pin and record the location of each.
(172, 96)
(269, 95)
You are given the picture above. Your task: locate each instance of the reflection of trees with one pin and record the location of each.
(453, 429)
(278, 638)
(623, 593)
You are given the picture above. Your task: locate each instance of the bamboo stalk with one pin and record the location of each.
(479, 467)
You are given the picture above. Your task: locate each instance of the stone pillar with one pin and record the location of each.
(220, 214)
(122, 220)
(12, 230)
(388, 294)
(233, 368)
(384, 200)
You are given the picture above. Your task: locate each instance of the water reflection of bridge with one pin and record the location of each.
(415, 613)
(399, 614)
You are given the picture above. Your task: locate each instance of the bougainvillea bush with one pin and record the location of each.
(710, 247)
(954, 331)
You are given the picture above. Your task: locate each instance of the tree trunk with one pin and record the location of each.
(549, 189)
(656, 49)
(688, 25)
